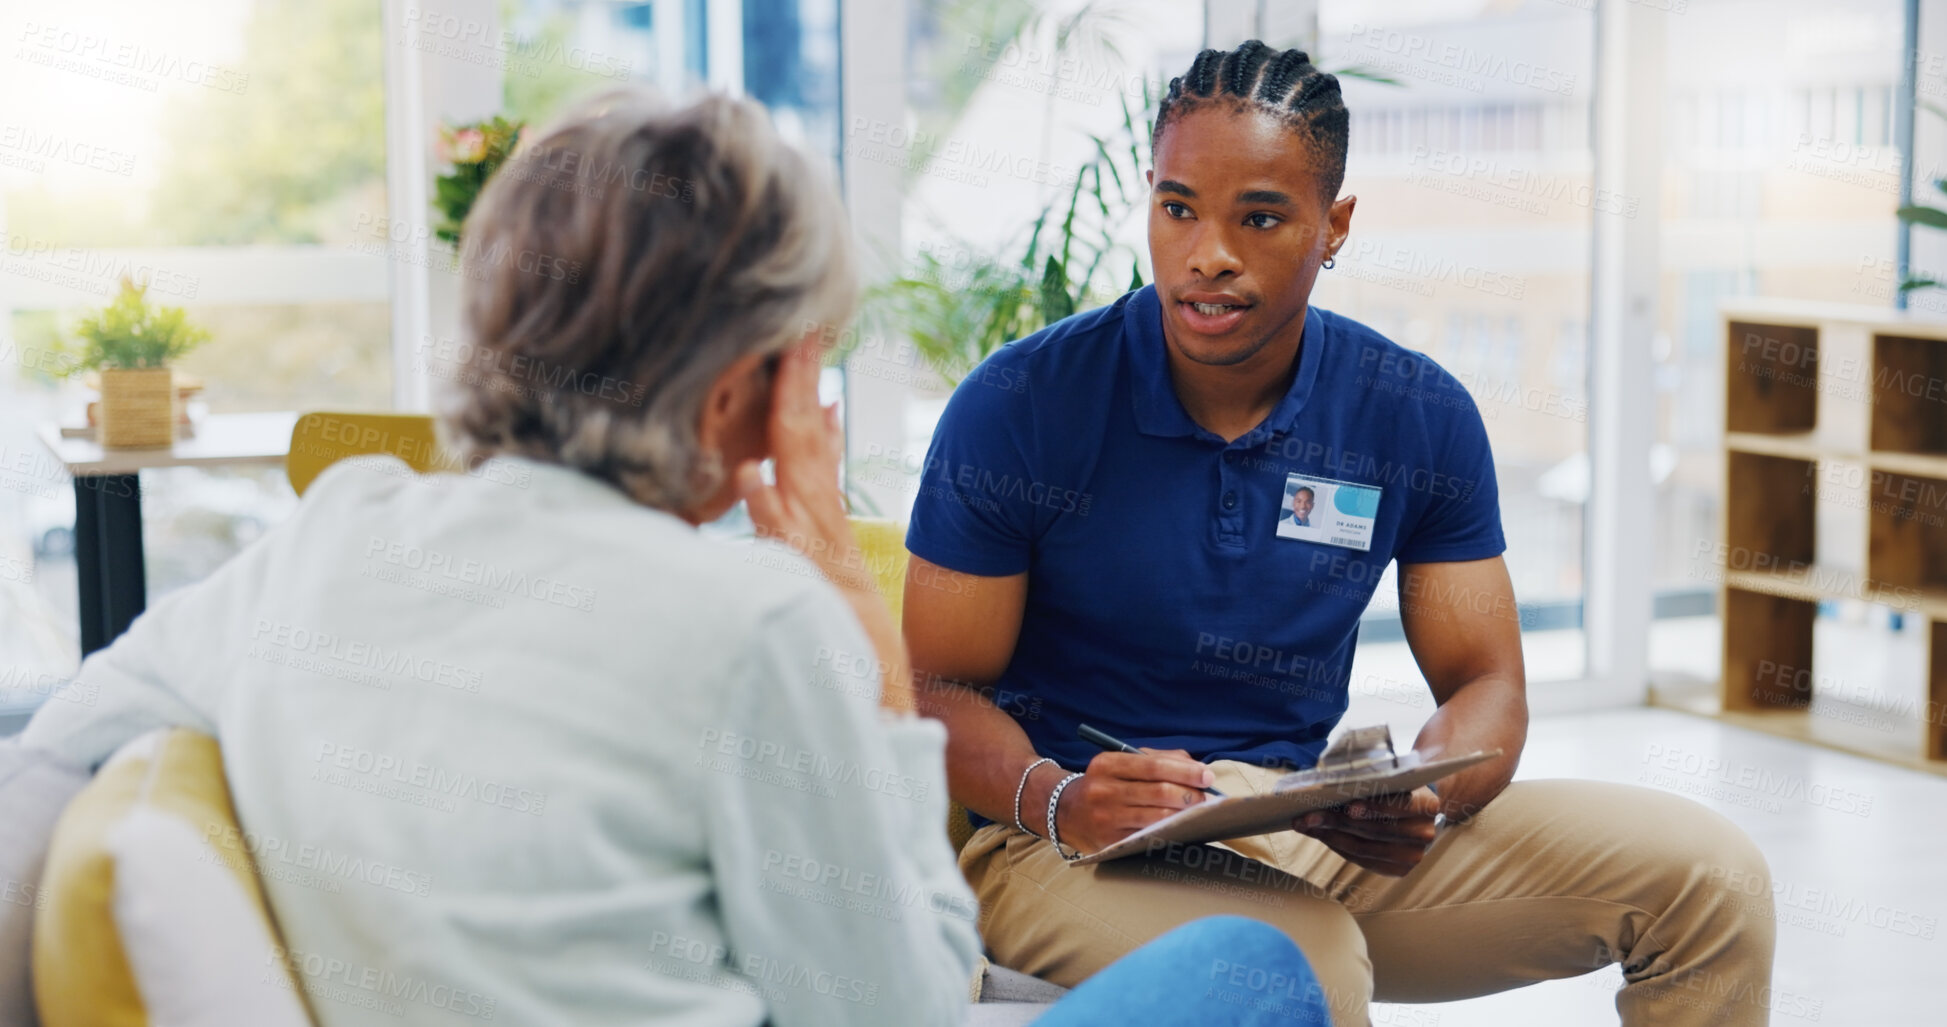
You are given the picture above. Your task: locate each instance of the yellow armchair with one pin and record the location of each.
(884, 548)
(323, 438)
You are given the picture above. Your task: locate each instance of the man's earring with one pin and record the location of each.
(1329, 262)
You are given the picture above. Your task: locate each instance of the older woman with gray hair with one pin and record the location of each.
(646, 776)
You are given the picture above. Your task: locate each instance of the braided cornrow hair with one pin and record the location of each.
(1281, 81)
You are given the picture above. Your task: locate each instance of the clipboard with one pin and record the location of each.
(1360, 764)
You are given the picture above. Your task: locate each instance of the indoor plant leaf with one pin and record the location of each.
(1932, 217)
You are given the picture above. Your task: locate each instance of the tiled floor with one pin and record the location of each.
(1859, 895)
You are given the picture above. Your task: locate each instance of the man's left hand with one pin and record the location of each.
(1387, 834)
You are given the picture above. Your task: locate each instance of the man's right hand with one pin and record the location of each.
(1122, 793)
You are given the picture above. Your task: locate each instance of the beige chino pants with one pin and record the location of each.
(1553, 879)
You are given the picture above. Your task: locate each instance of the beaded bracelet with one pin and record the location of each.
(1022, 788)
(1054, 798)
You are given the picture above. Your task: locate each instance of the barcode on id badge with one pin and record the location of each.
(1344, 541)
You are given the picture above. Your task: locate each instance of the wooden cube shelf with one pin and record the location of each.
(1935, 714)
(1772, 376)
(1846, 406)
(1770, 511)
(1908, 531)
(1767, 650)
(1909, 394)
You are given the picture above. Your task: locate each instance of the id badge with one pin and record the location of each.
(1335, 513)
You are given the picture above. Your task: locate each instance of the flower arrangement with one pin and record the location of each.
(474, 151)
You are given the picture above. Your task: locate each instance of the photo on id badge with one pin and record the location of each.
(1336, 513)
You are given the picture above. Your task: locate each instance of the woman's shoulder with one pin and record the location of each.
(728, 591)
(590, 563)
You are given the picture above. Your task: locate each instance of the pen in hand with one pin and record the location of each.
(1113, 744)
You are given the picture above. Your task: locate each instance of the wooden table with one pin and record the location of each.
(108, 506)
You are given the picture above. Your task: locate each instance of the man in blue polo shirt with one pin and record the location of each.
(1124, 510)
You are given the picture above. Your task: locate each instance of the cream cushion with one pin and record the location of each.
(147, 917)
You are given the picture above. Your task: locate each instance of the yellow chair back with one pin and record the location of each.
(884, 548)
(166, 784)
(323, 438)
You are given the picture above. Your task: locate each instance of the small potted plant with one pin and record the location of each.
(475, 150)
(131, 344)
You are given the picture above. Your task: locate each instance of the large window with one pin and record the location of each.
(218, 151)
(781, 53)
(1781, 176)
(220, 154)
(1471, 157)
(234, 154)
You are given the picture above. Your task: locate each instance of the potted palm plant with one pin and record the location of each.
(131, 344)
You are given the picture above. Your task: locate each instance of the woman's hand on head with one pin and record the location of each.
(804, 508)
